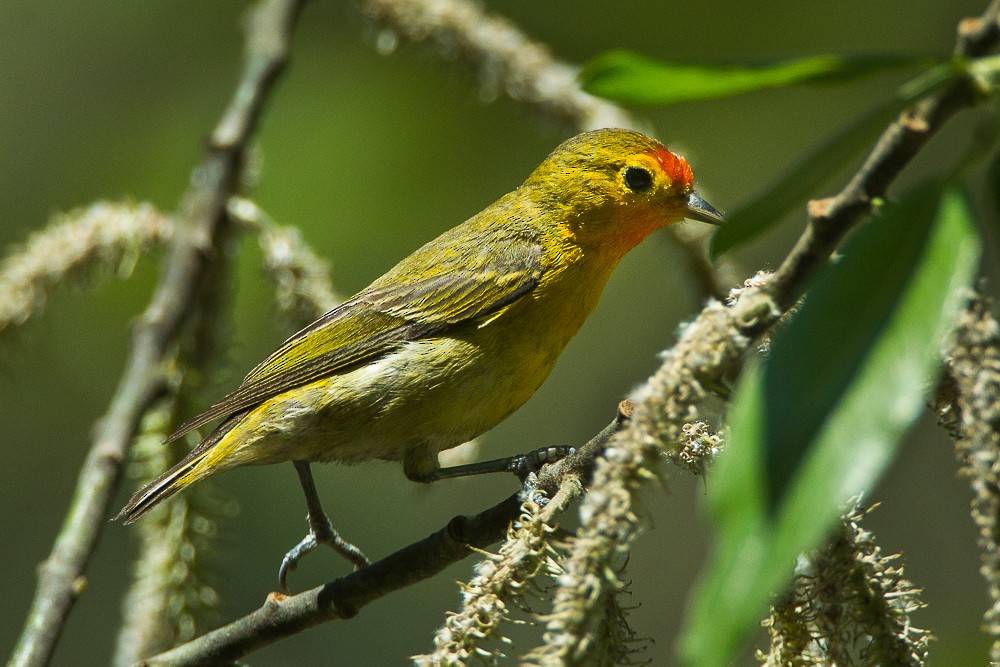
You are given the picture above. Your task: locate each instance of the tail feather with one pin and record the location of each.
(162, 487)
(183, 474)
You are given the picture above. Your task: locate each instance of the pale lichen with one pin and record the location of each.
(500, 580)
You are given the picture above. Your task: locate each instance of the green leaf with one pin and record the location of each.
(991, 230)
(631, 78)
(820, 163)
(817, 422)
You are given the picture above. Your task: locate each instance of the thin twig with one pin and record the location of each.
(830, 219)
(61, 576)
(511, 63)
(283, 615)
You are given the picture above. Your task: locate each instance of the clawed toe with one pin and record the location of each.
(320, 532)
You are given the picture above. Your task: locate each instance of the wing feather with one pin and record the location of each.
(395, 309)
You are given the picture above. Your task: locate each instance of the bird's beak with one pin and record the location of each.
(699, 209)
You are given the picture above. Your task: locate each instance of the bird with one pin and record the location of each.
(450, 341)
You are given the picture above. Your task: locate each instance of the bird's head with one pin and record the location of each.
(613, 187)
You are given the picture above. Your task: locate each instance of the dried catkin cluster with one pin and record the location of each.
(507, 61)
(665, 422)
(301, 278)
(849, 606)
(499, 580)
(969, 408)
(104, 236)
(172, 596)
(577, 629)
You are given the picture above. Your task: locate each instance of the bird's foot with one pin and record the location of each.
(531, 462)
(321, 531)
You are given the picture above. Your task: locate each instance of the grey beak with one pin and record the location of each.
(699, 209)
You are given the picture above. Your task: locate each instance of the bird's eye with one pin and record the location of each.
(637, 179)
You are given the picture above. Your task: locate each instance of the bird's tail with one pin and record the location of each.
(208, 458)
(183, 474)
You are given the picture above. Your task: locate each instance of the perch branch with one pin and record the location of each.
(713, 345)
(283, 615)
(61, 575)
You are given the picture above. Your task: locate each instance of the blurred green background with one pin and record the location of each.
(372, 155)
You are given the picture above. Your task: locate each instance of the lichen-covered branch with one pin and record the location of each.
(500, 580)
(849, 605)
(103, 237)
(283, 615)
(61, 576)
(968, 406)
(713, 345)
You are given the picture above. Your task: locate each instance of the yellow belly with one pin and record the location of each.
(426, 396)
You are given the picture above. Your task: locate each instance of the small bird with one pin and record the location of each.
(451, 340)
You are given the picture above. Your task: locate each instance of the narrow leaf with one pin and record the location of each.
(821, 162)
(631, 78)
(818, 421)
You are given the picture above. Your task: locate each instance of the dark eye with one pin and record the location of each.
(637, 179)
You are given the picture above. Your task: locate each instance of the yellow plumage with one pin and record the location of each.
(459, 334)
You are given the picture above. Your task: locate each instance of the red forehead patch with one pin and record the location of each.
(675, 167)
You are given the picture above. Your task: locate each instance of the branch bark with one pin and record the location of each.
(715, 344)
(283, 615)
(61, 575)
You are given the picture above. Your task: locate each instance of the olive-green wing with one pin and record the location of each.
(393, 310)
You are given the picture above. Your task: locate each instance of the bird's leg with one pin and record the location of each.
(521, 465)
(321, 531)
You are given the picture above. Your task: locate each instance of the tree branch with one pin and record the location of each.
(283, 615)
(830, 219)
(714, 345)
(61, 576)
